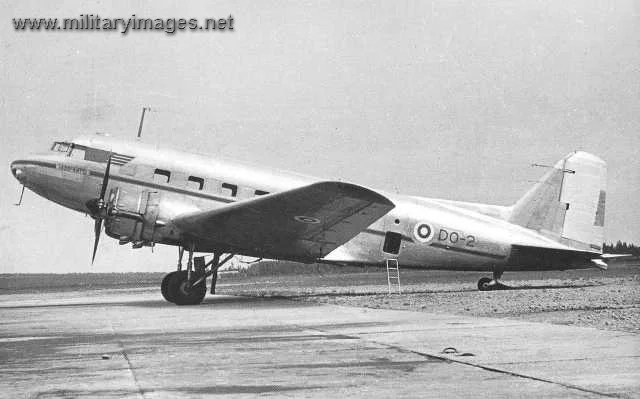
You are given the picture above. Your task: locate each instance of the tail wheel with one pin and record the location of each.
(484, 284)
(182, 292)
(164, 287)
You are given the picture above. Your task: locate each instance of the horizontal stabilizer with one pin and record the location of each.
(527, 257)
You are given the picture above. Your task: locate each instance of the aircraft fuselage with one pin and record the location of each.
(159, 185)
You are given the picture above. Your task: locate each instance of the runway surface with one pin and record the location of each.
(130, 343)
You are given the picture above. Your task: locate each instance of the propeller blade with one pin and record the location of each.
(105, 179)
(96, 205)
(97, 229)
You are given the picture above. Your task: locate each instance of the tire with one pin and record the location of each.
(181, 295)
(164, 287)
(484, 284)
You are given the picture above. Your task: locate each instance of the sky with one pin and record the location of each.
(444, 99)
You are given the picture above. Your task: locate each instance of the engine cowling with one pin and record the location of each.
(132, 216)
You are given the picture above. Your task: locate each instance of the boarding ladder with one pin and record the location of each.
(393, 274)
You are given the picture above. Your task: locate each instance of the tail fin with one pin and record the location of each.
(568, 203)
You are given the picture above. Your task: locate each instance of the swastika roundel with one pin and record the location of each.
(423, 232)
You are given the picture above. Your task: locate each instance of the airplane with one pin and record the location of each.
(147, 195)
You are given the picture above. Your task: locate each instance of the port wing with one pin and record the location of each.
(306, 223)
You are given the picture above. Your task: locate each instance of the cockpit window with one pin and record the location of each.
(61, 147)
(80, 151)
(95, 155)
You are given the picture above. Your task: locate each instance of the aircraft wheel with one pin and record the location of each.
(164, 287)
(182, 293)
(484, 284)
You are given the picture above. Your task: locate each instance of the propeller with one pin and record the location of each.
(97, 229)
(98, 207)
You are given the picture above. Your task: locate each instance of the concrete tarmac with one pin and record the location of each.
(130, 343)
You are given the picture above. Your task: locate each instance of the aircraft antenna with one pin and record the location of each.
(144, 110)
(565, 170)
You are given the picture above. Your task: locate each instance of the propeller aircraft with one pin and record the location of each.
(146, 195)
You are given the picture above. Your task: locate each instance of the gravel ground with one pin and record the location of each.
(611, 304)
(591, 300)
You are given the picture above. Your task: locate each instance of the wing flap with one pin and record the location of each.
(306, 222)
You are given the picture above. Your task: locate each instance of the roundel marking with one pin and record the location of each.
(423, 232)
(306, 219)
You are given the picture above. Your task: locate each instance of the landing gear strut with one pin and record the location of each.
(189, 287)
(492, 284)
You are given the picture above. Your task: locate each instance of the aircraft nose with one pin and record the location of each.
(17, 170)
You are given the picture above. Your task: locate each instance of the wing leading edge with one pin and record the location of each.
(303, 223)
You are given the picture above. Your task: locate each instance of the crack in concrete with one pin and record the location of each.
(482, 367)
(126, 358)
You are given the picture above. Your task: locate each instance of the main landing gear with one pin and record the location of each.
(189, 287)
(492, 284)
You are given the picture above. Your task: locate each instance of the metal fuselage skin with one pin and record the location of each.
(461, 236)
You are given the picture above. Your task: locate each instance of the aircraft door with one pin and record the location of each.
(392, 243)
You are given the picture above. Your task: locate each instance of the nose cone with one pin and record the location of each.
(17, 170)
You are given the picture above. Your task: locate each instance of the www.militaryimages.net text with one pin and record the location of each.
(94, 22)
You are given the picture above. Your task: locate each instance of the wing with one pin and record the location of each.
(303, 223)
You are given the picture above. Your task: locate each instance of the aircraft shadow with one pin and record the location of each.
(549, 287)
(230, 301)
(159, 302)
(244, 299)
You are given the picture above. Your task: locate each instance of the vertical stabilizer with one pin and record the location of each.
(568, 203)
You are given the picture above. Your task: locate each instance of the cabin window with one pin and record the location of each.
(392, 243)
(229, 189)
(195, 183)
(161, 176)
(260, 192)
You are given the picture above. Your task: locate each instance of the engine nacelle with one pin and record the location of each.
(132, 216)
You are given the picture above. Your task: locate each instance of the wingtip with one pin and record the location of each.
(356, 191)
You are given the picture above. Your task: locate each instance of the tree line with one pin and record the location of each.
(621, 247)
